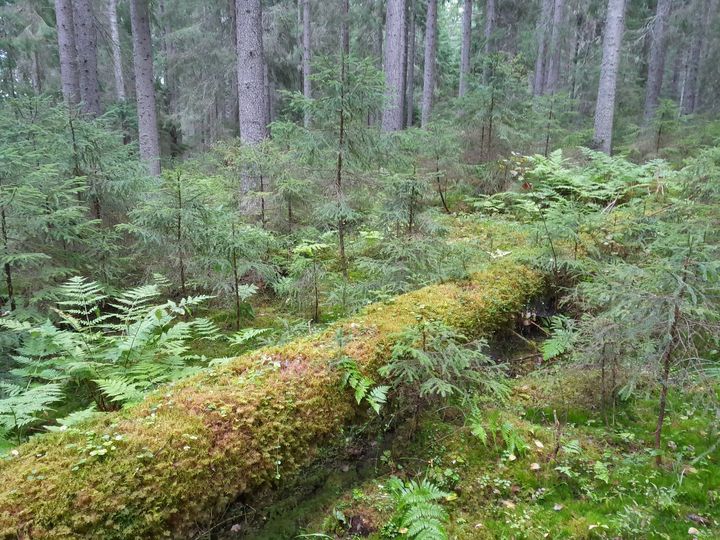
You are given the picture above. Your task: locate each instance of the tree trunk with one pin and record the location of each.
(690, 93)
(490, 15)
(656, 63)
(86, 44)
(605, 104)
(541, 60)
(466, 45)
(145, 86)
(307, 87)
(392, 118)
(69, 75)
(339, 191)
(430, 60)
(553, 68)
(410, 69)
(36, 73)
(116, 51)
(251, 89)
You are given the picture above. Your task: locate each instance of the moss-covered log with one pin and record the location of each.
(167, 466)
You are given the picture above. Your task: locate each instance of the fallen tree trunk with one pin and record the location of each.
(173, 463)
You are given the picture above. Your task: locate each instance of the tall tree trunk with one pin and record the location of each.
(656, 63)
(410, 68)
(541, 60)
(145, 85)
(86, 44)
(392, 118)
(605, 104)
(36, 72)
(116, 51)
(339, 190)
(430, 61)
(466, 45)
(553, 68)
(690, 93)
(307, 87)
(490, 14)
(234, 112)
(251, 89)
(69, 76)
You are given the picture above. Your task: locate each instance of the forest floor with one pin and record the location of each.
(557, 459)
(577, 470)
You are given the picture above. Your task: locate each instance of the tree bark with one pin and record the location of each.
(690, 93)
(490, 14)
(145, 86)
(116, 51)
(69, 76)
(466, 45)
(307, 87)
(605, 104)
(252, 93)
(410, 69)
(540, 60)
(552, 76)
(392, 118)
(430, 60)
(86, 44)
(656, 63)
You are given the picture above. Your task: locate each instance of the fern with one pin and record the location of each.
(364, 386)
(24, 408)
(418, 511)
(119, 390)
(561, 338)
(113, 357)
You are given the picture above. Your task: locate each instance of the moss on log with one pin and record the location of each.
(171, 464)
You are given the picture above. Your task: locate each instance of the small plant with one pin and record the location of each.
(433, 360)
(418, 513)
(364, 387)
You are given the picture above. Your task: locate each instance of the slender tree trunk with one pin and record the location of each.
(490, 14)
(392, 119)
(69, 76)
(36, 73)
(251, 89)
(410, 69)
(553, 67)
(7, 267)
(656, 63)
(179, 237)
(116, 51)
(234, 112)
(466, 47)
(605, 104)
(86, 44)
(339, 191)
(307, 87)
(541, 60)
(690, 93)
(665, 362)
(145, 85)
(430, 61)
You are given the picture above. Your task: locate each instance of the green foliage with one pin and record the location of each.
(102, 350)
(418, 513)
(431, 359)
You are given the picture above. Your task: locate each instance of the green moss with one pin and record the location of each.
(175, 461)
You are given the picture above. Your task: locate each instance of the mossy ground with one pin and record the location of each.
(592, 477)
(172, 464)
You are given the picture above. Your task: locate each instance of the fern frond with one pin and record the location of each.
(119, 390)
